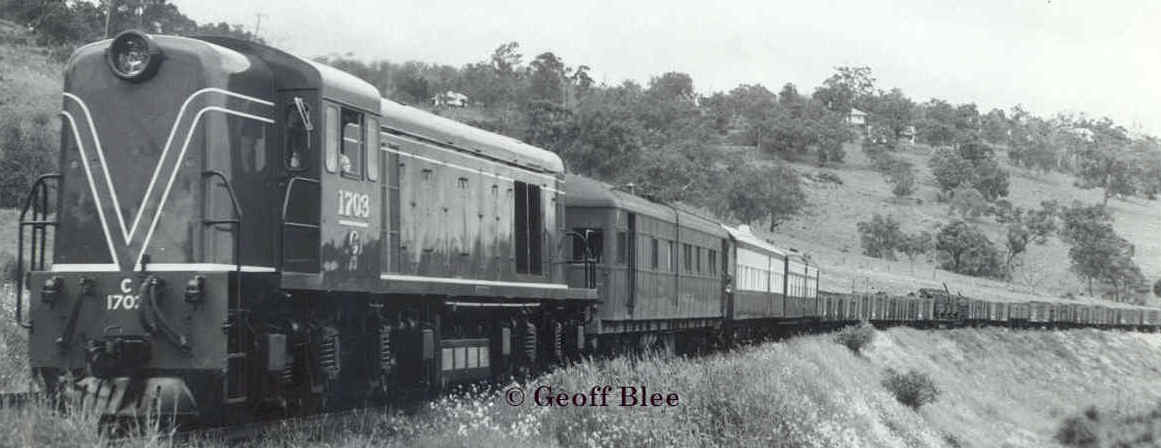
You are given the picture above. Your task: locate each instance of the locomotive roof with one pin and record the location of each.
(586, 192)
(293, 72)
(432, 127)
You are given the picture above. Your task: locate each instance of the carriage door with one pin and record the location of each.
(298, 203)
(727, 306)
(632, 272)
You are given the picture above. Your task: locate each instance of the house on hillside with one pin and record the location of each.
(857, 118)
(909, 134)
(450, 99)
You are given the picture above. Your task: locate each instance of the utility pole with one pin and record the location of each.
(108, 16)
(258, 25)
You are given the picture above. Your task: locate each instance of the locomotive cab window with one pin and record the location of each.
(351, 146)
(332, 138)
(372, 130)
(298, 129)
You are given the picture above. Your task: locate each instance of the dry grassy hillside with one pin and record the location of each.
(997, 387)
(827, 229)
(30, 86)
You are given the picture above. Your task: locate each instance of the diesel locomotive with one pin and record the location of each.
(236, 233)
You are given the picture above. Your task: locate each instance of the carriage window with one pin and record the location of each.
(698, 252)
(351, 147)
(622, 247)
(687, 251)
(298, 129)
(332, 138)
(713, 261)
(672, 256)
(372, 149)
(654, 257)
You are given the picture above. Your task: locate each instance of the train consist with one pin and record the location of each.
(237, 232)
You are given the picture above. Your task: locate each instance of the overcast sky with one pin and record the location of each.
(1098, 57)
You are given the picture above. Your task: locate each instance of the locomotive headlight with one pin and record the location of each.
(133, 56)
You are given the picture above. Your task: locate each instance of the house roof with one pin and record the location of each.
(857, 112)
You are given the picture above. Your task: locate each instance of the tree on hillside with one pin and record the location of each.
(990, 179)
(880, 236)
(1016, 243)
(669, 104)
(1033, 142)
(966, 250)
(995, 127)
(1041, 223)
(892, 111)
(915, 245)
(1145, 156)
(547, 76)
(848, 87)
(900, 174)
(1104, 164)
(608, 136)
(753, 193)
(971, 164)
(831, 133)
(791, 101)
(937, 125)
(967, 120)
(967, 202)
(950, 169)
(1097, 252)
(550, 125)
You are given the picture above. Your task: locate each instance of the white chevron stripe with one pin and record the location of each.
(92, 186)
(127, 233)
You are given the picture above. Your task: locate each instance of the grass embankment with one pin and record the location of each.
(997, 388)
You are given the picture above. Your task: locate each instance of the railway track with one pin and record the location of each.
(240, 434)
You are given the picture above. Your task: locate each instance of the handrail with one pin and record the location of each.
(289, 186)
(236, 222)
(588, 260)
(39, 225)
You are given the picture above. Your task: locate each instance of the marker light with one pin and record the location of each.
(133, 56)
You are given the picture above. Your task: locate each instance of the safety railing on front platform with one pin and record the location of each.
(37, 202)
(235, 222)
